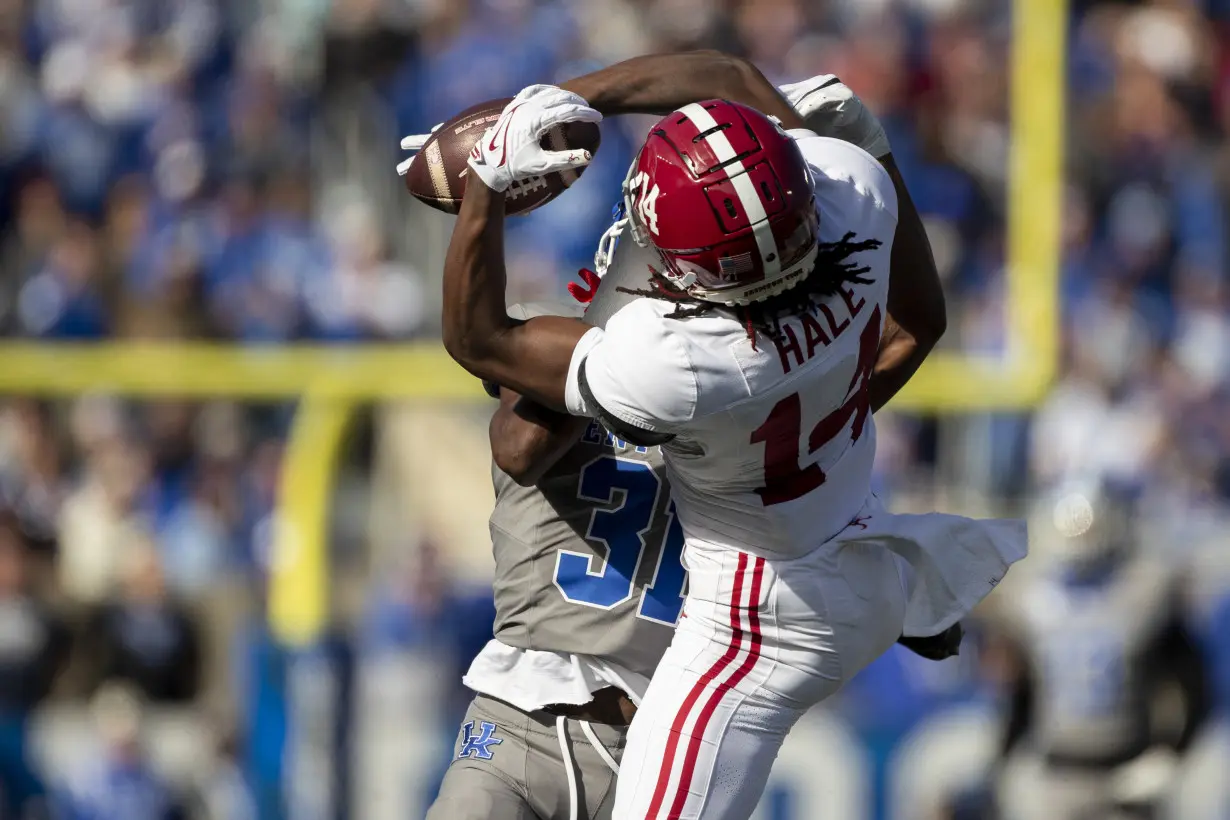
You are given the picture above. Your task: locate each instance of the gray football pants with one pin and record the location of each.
(510, 765)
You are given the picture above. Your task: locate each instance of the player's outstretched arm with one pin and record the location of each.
(916, 313)
(661, 83)
(530, 357)
(527, 438)
(917, 316)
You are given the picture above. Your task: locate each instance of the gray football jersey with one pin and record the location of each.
(1090, 648)
(589, 561)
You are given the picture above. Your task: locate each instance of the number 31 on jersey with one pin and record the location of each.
(621, 531)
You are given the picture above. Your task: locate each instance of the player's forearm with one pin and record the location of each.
(916, 312)
(527, 439)
(660, 83)
(474, 316)
(899, 358)
(531, 357)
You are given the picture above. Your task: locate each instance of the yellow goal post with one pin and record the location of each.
(332, 381)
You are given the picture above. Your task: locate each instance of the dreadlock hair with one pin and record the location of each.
(833, 268)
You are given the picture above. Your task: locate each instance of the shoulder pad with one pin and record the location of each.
(618, 427)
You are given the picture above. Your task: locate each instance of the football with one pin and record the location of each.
(437, 176)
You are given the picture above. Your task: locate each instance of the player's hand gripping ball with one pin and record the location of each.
(532, 147)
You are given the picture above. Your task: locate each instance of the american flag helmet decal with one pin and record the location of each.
(732, 267)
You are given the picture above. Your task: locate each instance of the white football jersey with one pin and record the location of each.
(774, 440)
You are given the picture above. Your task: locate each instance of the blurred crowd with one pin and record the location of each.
(161, 178)
(155, 161)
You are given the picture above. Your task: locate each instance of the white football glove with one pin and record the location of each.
(831, 109)
(414, 142)
(510, 151)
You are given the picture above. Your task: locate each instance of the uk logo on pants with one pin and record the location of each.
(478, 746)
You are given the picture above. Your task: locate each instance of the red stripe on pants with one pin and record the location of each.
(681, 718)
(702, 722)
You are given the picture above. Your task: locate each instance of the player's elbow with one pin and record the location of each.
(517, 447)
(720, 64)
(915, 333)
(467, 349)
(743, 71)
(454, 345)
(518, 463)
(923, 317)
(737, 76)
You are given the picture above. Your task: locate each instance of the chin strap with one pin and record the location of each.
(606, 245)
(626, 208)
(683, 281)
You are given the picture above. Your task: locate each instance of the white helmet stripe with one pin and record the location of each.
(746, 191)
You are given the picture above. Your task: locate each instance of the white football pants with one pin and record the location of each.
(760, 642)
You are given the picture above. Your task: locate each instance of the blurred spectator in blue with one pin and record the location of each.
(64, 298)
(166, 426)
(249, 298)
(54, 268)
(1217, 639)
(33, 648)
(420, 607)
(198, 536)
(159, 253)
(120, 783)
(423, 611)
(39, 220)
(355, 289)
(78, 150)
(888, 699)
(480, 50)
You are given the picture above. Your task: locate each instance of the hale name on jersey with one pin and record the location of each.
(815, 335)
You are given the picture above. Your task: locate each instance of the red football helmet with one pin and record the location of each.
(725, 196)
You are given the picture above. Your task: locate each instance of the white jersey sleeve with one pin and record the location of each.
(634, 375)
(849, 181)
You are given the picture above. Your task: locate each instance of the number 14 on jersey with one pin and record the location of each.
(784, 478)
